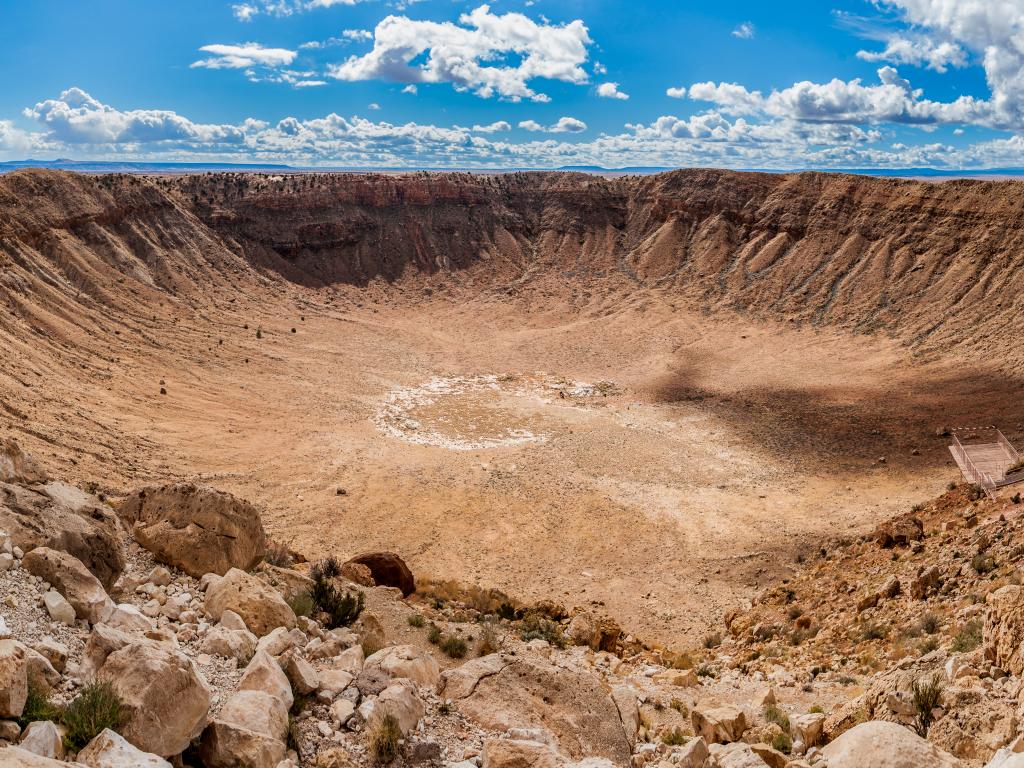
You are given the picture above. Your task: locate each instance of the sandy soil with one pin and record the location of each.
(660, 463)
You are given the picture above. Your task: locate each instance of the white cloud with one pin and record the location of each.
(676, 92)
(244, 56)
(467, 56)
(600, 69)
(745, 31)
(357, 34)
(78, 118)
(564, 125)
(495, 127)
(249, 10)
(611, 91)
(411, 89)
(373, 105)
(919, 52)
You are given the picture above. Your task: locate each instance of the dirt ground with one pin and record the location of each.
(654, 461)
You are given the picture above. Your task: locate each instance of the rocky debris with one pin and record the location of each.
(885, 745)
(601, 634)
(260, 606)
(196, 528)
(64, 518)
(17, 466)
(166, 697)
(238, 644)
(387, 570)
(1004, 629)
(111, 750)
(73, 580)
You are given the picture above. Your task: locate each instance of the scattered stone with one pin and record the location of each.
(43, 738)
(260, 606)
(111, 750)
(406, 661)
(719, 726)
(59, 608)
(72, 579)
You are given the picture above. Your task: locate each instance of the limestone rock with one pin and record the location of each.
(16, 757)
(885, 745)
(265, 674)
(196, 528)
(237, 644)
(401, 701)
(58, 607)
(737, 755)
(43, 738)
(899, 532)
(167, 698)
(260, 606)
(358, 573)
(693, 753)
(111, 750)
(387, 570)
(926, 581)
(64, 518)
(72, 579)
(720, 725)
(406, 661)
(808, 728)
(1004, 629)
(249, 731)
(301, 674)
(54, 652)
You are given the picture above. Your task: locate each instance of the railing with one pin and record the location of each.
(975, 474)
(1001, 439)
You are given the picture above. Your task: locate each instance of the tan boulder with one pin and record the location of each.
(399, 700)
(720, 725)
(1003, 631)
(406, 661)
(196, 528)
(808, 728)
(111, 750)
(899, 532)
(518, 753)
(249, 731)
(43, 738)
(259, 605)
(358, 573)
(166, 697)
(265, 674)
(736, 755)
(502, 691)
(16, 757)
(237, 644)
(885, 745)
(65, 518)
(13, 678)
(72, 579)
(693, 753)
(301, 674)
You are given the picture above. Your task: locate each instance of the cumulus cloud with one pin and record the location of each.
(357, 34)
(611, 91)
(841, 101)
(471, 54)
(920, 52)
(564, 125)
(676, 92)
(244, 56)
(77, 118)
(495, 127)
(745, 31)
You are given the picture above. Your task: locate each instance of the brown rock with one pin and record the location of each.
(249, 731)
(1004, 629)
(358, 573)
(926, 581)
(13, 678)
(196, 528)
(64, 518)
(719, 726)
(899, 532)
(387, 570)
(518, 753)
(261, 607)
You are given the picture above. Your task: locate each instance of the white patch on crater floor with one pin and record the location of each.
(466, 413)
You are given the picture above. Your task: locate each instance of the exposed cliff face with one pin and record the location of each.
(938, 265)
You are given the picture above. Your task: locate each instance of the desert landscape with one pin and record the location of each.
(652, 399)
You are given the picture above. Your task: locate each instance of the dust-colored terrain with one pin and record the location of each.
(649, 392)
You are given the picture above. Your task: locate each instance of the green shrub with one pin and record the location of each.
(341, 609)
(927, 694)
(874, 632)
(930, 623)
(774, 714)
(38, 705)
(454, 646)
(674, 737)
(712, 640)
(488, 642)
(968, 638)
(301, 603)
(509, 612)
(385, 739)
(416, 620)
(538, 628)
(434, 635)
(279, 554)
(97, 706)
(983, 563)
(783, 742)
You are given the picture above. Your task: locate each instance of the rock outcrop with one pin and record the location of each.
(387, 570)
(196, 528)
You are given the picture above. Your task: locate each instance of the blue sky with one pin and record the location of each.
(517, 83)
